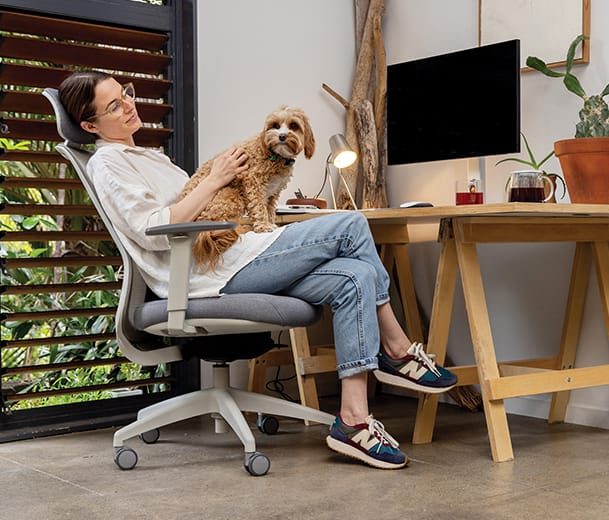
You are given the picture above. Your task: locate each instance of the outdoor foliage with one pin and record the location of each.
(74, 326)
(49, 378)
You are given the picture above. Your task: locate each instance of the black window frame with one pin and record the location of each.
(178, 18)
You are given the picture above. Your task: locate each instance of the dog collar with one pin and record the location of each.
(288, 162)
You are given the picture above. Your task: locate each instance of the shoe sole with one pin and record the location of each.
(391, 379)
(350, 451)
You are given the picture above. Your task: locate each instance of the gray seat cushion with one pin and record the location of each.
(264, 308)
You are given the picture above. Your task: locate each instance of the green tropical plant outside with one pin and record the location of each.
(594, 116)
(45, 355)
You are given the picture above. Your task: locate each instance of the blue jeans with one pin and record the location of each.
(329, 260)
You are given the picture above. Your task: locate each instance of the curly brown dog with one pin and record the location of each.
(271, 156)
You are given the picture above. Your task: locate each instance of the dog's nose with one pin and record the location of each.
(282, 137)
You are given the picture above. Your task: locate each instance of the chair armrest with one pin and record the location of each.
(189, 227)
(181, 238)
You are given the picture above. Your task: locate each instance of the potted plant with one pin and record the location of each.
(555, 178)
(585, 159)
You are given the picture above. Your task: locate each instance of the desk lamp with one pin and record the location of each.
(341, 156)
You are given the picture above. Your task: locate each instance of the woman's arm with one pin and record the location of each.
(224, 169)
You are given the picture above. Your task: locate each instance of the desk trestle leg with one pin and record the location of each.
(484, 350)
(441, 312)
(580, 275)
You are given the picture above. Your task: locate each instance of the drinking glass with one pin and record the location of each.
(468, 192)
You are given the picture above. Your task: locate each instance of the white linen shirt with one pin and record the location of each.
(136, 186)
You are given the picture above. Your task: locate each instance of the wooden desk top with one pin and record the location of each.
(435, 213)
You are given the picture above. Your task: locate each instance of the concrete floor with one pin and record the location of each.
(560, 472)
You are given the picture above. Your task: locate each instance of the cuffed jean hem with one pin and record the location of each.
(353, 368)
(382, 299)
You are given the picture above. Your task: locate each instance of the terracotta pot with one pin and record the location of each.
(585, 166)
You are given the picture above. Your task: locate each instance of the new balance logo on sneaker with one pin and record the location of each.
(413, 370)
(416, 371)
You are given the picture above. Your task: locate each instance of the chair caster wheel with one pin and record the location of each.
(257, 464)
(151, 436)
(125, 458)
(267, 424)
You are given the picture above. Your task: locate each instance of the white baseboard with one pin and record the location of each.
(537, 406)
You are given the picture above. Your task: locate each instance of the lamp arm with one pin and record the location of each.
(326, 175)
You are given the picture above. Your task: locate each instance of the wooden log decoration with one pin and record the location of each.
(361, 12)
(374, 194)
(369, 84)
(380, 111)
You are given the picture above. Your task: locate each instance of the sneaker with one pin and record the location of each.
(416, 371)
(368, 442)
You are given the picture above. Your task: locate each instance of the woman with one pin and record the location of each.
(330, 260)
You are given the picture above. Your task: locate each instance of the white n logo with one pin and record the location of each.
(413, 370)
(364, 439)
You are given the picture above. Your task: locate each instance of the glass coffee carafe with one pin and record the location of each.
(529, 186)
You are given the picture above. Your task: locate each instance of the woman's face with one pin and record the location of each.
(117, 118)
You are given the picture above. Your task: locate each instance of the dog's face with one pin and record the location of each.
(287, 132)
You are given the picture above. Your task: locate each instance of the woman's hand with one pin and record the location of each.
(227, 166)
(224, 169)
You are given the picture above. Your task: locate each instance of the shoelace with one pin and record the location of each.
(377, 429)
(416, 350)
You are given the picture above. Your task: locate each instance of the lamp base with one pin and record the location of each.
(318, 203)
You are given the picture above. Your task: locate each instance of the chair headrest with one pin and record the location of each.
(73, 135)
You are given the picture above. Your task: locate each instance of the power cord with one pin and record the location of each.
(276, 384)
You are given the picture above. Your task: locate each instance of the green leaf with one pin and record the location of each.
(515, 159)
(11, 144)
(540, 65)
(35, 253)
(50, 224)
(531, 156)
(573, 85)
(545, 159)
(572, 48)
(30, 222)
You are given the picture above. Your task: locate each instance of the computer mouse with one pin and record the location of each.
(416, 204)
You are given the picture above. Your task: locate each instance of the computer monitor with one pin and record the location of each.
(456, 105)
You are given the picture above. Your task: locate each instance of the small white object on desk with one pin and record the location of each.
(416, 204)
(296, 208)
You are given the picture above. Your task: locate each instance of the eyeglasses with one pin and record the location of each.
(116, 107)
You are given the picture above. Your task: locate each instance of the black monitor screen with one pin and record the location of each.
(456, 105)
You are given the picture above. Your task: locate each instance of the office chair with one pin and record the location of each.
(219, 330)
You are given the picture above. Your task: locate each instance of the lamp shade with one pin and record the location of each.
(342, 155)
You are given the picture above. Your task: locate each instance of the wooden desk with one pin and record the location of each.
(461, 228)
(460, 232)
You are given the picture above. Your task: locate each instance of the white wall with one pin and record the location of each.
(254, 56)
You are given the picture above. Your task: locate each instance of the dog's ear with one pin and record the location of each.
(260, 141)
(263, 144)
(309, 138)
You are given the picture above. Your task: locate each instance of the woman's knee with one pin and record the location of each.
(354, 280)
(352, 218)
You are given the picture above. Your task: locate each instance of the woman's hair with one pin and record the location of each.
(77, 93)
